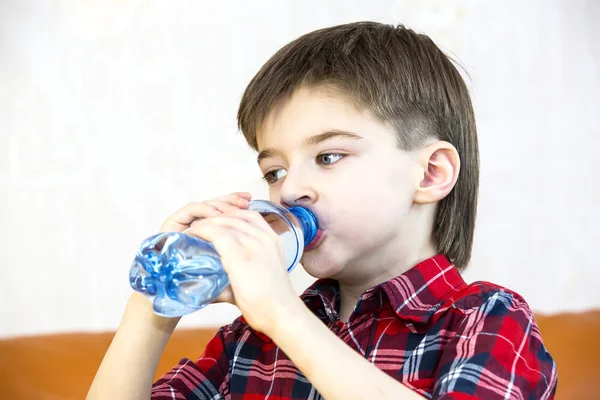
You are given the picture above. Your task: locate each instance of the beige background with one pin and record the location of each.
(115, 113)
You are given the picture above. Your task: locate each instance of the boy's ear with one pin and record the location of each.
(440, 166)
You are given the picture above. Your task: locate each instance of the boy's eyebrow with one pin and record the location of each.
(311, 141)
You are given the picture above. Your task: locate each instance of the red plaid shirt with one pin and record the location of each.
(426, 328)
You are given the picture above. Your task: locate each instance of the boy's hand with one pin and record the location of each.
(192, 212)
(253, 257)
(189, 216)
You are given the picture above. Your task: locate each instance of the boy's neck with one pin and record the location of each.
(350, 292)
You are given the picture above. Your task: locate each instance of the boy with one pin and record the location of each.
(371, 127)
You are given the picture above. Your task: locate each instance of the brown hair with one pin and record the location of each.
(401, 78)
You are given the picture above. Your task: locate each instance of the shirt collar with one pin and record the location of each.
(323, 298)
(414, 295)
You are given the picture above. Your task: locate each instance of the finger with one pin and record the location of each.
(244, 195)
(253, 218)
(183, 217)
(221, 207)
(225, 206)
(239, 199)
(215, 233)
(186, 215)
(246, 233)
(227, 242)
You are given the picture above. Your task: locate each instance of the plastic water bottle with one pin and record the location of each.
(181, 273)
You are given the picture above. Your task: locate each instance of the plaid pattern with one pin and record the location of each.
(426, 328)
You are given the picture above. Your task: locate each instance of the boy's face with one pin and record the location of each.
(317, 150)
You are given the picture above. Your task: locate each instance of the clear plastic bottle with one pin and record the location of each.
(181, 273)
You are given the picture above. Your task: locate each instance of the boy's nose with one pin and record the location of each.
(299, 202)
(297, 192)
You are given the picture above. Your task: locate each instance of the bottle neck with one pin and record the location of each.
(308, 221)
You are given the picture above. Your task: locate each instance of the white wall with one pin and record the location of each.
(115, 113)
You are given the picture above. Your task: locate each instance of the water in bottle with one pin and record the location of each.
(181, 273)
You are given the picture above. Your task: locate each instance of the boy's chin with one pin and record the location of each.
(319, 266)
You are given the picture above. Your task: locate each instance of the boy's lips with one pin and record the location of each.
(316, 240)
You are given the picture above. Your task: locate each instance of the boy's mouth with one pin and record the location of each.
(316, 240)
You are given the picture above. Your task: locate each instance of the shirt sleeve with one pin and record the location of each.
(497, 353)
(196, 380)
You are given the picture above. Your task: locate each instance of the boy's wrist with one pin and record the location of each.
(128, 368)
(289, 313)
(139, 312)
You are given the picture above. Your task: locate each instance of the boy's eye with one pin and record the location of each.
(325, 159)
(329, 158)
(275, 175)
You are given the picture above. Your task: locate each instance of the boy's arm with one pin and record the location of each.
(128, 368)
(334, 369)
(129, 365)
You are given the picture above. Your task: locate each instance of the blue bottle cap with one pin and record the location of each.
(308, 221)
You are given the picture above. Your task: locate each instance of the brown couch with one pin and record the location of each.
(62, 366)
